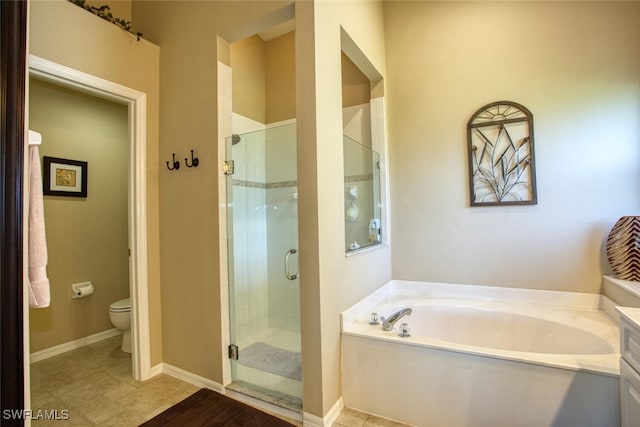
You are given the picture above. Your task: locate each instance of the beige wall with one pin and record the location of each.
(264, 83)
(96, 47)
(356, 88)
(248, 62)
(189, 204)
(576, 67)
(281, 78)
(329, 282)
(87, 238)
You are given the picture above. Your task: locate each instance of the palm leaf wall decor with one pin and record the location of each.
(501, 155)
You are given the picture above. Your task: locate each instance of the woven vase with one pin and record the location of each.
(623, 248)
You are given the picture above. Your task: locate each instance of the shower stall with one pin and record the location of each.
(264, 294)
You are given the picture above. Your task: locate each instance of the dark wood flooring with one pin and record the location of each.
(209, 408)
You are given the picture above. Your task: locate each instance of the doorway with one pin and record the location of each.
(135, 103)
(87, 236)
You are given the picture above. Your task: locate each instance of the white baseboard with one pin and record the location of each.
(72, 345)
(155, 370)
(190, 377)
(309, 420)
(333, 413)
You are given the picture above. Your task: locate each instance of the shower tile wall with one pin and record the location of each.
(281, 193)
(250, 259)
(250, 232)
(267, 200)
(264, 198)
(284, 236)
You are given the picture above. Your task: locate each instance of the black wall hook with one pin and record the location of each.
(176, 163)
(194, 161)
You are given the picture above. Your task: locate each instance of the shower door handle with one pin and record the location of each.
(289, 276)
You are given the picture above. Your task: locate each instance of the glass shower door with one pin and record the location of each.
(264, 294)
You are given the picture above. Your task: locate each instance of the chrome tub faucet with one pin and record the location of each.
(387, 324)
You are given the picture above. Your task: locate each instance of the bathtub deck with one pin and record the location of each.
(581, 311)
(436, 382)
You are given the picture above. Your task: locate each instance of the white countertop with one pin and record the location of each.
(630, 313)
(628, 285)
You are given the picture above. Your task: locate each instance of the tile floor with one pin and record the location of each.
(350, 418)
(94, 385)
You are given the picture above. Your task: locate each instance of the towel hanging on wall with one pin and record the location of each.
(39, 293)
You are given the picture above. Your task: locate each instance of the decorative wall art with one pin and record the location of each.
(63, 177)
(501, 156)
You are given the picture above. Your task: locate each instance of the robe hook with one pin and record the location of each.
(194, 161)
(176, 163)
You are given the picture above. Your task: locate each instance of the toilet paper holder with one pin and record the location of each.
(82, 290)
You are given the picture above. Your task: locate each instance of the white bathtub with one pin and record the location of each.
(483, 356)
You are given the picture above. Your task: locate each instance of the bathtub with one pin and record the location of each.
(483, 356)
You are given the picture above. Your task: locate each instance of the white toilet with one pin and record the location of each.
(120, 316)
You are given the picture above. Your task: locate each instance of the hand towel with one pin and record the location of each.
(39, 294)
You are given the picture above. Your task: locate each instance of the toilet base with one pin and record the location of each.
(126, 342)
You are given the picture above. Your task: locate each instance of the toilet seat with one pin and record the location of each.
(121, 306)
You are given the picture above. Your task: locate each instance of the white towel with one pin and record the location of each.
(39, 295)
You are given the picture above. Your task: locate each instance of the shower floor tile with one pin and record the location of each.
(260, 379)
(282, 338)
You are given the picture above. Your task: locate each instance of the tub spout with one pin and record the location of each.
(387, 325)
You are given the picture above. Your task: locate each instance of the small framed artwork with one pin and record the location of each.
(64, 177)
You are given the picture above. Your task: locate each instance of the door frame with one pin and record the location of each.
(13, 47)
(136, 102)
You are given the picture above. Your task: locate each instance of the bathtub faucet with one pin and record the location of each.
(387, 324)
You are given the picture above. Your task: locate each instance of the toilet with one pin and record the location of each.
(120, 316)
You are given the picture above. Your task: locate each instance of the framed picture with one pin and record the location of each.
(501, 155)
(64, 177)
